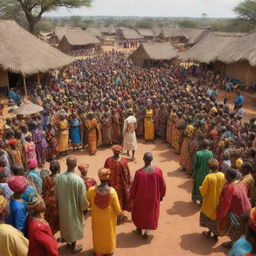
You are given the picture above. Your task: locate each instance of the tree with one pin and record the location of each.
(34, 9)
(247, 11)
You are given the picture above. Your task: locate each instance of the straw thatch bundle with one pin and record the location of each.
(153, 51)
(208, 49)
(21, 52)
(146, 32)
(94, 32)
(78, 37)
(172, 32)
(129, 34)
(241, 49)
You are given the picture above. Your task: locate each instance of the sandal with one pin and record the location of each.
(77, 249)
(207, 234)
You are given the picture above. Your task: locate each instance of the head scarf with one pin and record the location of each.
(252, 219)
(3, 203)
(34, 203)
(239, 162)
(213, 164)
(32, 163)
(103, 173)
(117, 148)
(18, 183)
(12, 142)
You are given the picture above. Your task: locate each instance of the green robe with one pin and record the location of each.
(200, 170)
(71, 197)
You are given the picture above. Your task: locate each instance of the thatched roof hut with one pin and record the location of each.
(129, 34)
(241, 49)
(155, 51)
(95, 32)
(146, 33)
(21, 52)
(194, 35)
(74, 39)
(172, 33)
(208, 49)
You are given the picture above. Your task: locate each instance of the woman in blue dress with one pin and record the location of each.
(75, 131)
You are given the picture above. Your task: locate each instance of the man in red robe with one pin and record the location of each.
(148, 189)
(233, 203)
(120, 177)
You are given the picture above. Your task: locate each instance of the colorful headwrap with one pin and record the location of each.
(32, 163)
(213, 164)
(18, 183)
(239, 162)
(252, 219)
(117, 148)
(34, 203)
(3, 203)
(103, 173)
(12, 142)
(129, 111)
(214, 110)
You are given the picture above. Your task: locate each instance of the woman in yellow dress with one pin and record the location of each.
(105, 208)
(149, 129)
(63, 134)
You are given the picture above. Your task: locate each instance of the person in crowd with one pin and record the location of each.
(15, 155)
(34, 176)
(233, 203)
(4, 188)
(251, 232)
(18, 211)
(63, 134)
(120, 177)
(41, 240)
(51, 213)
(200, 169)
(29, 149)
(93, 133)
(247, 178)
(52, 141)
(12, 241)
(88, 181)
(210, 190)
(71, 205)
(148, 189)
(105, 209)
(75, 131)
(239, 100)
(129, 135)
(149, 129)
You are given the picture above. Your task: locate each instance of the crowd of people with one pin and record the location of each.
(104, 101)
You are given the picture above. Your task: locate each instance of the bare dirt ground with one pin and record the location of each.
(178, 234)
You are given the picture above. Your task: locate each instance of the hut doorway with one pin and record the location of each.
(15, 80)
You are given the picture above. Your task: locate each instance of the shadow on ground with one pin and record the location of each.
(183, 209)
(198, 244)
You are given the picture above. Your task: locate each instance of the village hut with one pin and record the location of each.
(75, 39)
(195, 35)
(147, 33)
(129, 34)
(24, 54)
(240, 58)
(153, 52)
(173, 34)
(95, 32)
(207, 50)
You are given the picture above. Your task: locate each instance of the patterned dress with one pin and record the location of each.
(51, 214)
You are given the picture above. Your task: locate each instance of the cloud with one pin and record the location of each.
(169, 8)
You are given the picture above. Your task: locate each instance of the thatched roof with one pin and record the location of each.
(156, 51)
(28, 108)
(194, 35)
(208, 49)
(146, 32)
(61, 31)
(130, 34)
(78, 37)
(21, 52)
(241, 49)
(94, 32)
(172, 32)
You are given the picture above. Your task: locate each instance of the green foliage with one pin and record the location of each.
(187, 23)
(145, 23)
(34, 9)
(247, 11)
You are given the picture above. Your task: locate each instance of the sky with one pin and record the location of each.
(164, 8)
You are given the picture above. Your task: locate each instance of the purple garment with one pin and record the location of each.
(39, 141)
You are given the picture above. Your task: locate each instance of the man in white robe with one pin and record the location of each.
(129, 135)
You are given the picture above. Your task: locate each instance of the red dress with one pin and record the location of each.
(147, 190)
(120, 180)
(41, 240)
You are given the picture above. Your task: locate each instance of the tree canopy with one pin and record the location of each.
(34, 9)
(247, 11)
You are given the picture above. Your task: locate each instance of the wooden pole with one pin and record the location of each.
(38, 78)
(25, 85)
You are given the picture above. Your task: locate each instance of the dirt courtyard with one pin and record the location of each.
(178, 234)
